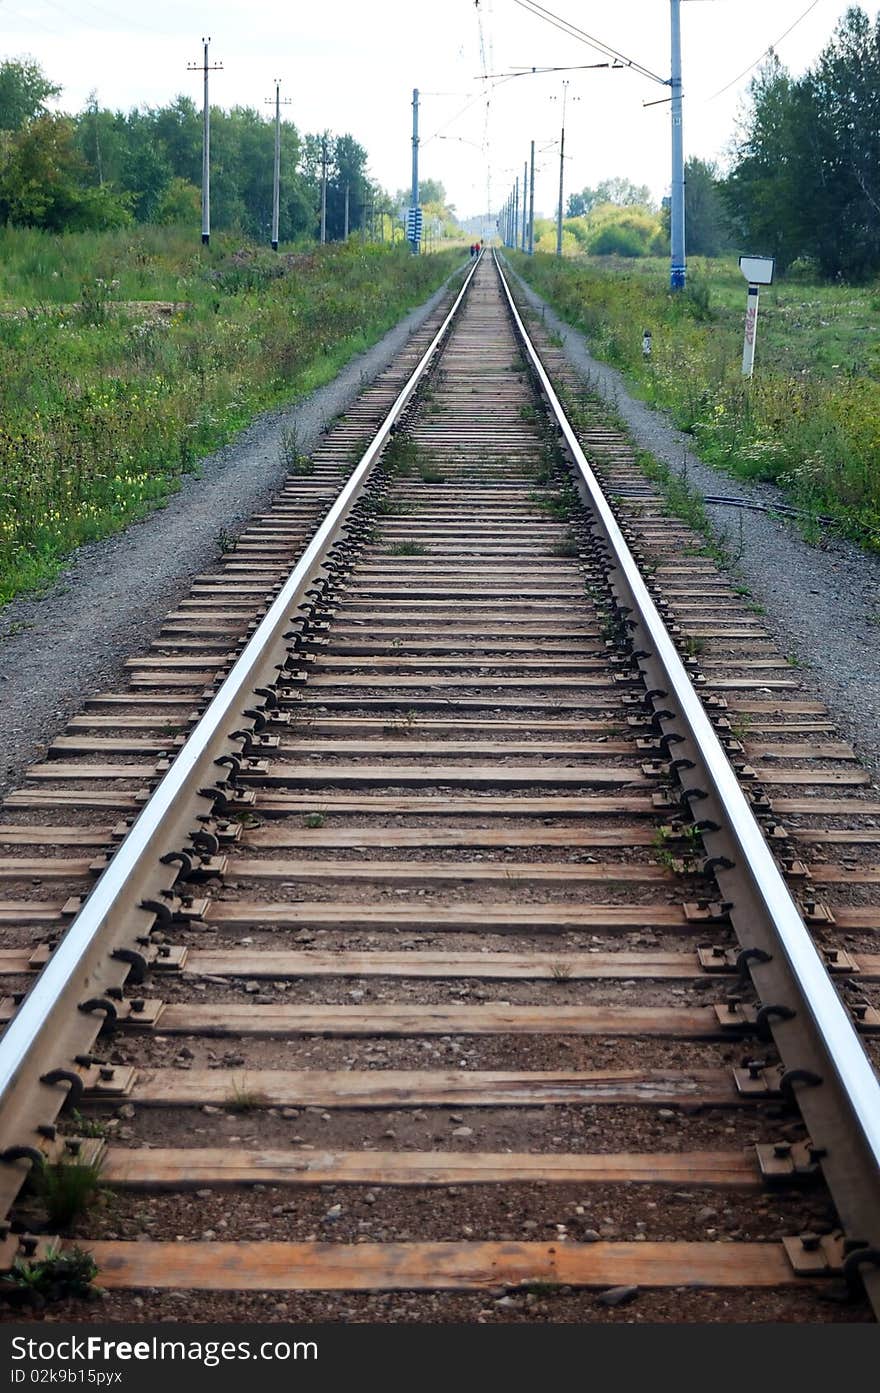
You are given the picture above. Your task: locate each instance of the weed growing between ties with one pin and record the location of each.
(125, 356)
(65, 1188)
(242, 1098)
(57, 1277)
(808, 421)
(401, 456)
(289, 454)
(408, 549)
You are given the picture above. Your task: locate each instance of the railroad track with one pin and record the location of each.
(465, 942)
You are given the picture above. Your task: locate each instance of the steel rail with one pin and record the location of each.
(842, 1052)
(71, 965)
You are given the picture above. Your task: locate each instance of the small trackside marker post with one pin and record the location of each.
(758, 271)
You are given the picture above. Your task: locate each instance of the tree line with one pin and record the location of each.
(805, 182)
(618, 218)
(102, 168)
(803, 177)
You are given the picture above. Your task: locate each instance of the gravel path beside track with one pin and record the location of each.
(57, 648)
(823, 604)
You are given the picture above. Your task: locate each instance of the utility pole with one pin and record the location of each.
(561, 170)
(414, 196)
(515, 213)
(94, 110)
(678, 271)
(560, 210)
(346, 211)
(276, 174)
(525, 222)
(323, 188)
(206, 68)
(532, 202)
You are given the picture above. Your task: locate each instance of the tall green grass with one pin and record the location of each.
(106, 402)
(804, 422)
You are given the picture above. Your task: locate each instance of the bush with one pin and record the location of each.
(179, 205)
(617, 241)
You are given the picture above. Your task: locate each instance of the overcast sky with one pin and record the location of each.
(350, 65)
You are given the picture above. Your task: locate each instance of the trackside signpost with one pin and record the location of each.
(758, 271)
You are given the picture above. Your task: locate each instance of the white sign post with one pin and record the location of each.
(758, 271)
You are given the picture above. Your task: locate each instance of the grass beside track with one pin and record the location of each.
(126, 356)
(810, 418)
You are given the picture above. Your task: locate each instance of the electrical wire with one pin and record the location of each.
(558, 68)
(567, 27)
(123, 22)
(32, 19)
(761, 57)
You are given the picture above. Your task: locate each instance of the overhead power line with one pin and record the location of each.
(567, 27)
(727, 86)
(558, 68)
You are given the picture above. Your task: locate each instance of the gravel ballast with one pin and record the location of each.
(60, 647)
(822, 603)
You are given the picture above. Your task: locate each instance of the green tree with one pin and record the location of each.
(622, 230)
(348, 170)
(806, 175)
(431, 191)
(841, 171)
(102, 140)
(765, 186)
(179, 129)
(179, 204)
(44, 181)
(707, 229)
(24, 91)
(144, 169)
(617, 190)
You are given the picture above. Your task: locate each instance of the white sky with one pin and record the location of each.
(350, 65)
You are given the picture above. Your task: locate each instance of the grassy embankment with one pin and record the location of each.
(106, 401)
(810, 418)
